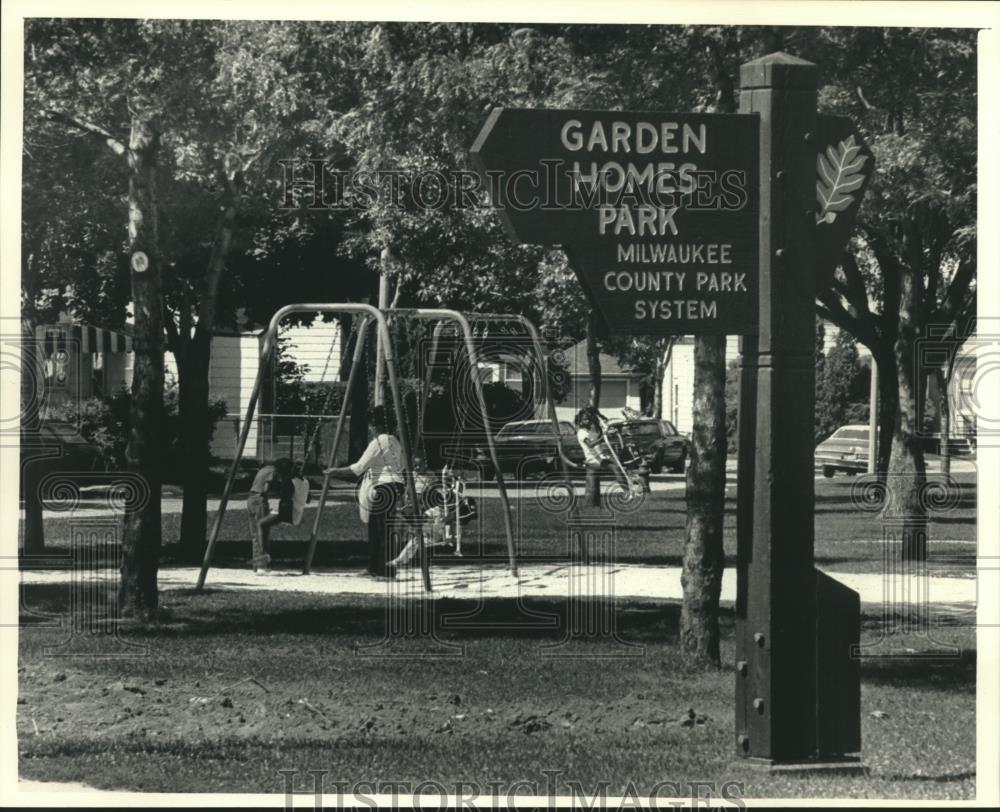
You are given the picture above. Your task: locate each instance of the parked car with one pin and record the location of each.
(531, 444)
(844, 450)
(656, 440)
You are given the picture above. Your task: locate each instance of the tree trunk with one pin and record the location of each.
(32, 389)
(194, 436)
(594, 360)
(141, 536)
(704, 558)
(944, 410)
(905, 509)
(195, 432)
(888, 402)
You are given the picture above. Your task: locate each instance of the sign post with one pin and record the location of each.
(680, 223)
(794, 627)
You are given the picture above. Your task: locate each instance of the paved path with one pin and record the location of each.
(624, 581)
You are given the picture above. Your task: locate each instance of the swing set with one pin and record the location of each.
(364, 317)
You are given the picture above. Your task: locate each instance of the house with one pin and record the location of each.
(678, 387)
(677, 393)
(79, 361)
(619, 387)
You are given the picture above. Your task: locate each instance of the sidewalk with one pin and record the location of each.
(623, 581)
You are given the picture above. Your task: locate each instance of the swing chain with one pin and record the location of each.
(309, 445)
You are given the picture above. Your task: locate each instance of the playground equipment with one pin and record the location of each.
(369, 315)
(624, 457)
(447, 510)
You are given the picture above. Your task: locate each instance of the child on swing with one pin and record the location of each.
(271, 480)
(443, 505)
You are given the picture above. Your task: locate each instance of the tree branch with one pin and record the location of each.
(940, 234)
(891, 280)
(399, 290)
(830, 308)
(117, 147)
(173, 336)
(858, 293)
(840, 287)
(956, 293)
(861, 96)
(216, 265)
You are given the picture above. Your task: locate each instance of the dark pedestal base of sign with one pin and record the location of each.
(835, 718)
(845, 765)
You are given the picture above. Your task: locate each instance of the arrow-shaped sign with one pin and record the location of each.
(658, 212)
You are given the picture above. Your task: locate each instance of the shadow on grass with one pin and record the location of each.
(220, 612)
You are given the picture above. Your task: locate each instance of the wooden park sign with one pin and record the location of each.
(657, 211)
(709, 223)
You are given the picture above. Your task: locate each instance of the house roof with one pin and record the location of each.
(577, 366)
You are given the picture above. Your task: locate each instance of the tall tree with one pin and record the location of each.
(252, 108)
(704, 556)
(912, 271)
(230, 99)
(93, 78)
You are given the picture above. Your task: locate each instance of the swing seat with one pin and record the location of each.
(300, 499)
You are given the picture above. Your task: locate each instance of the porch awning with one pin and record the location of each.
(52, 337)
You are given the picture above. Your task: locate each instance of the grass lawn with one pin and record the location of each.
(185, 717)
(848, 539)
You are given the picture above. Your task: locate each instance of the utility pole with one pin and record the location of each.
(873, 419)
(386, 261)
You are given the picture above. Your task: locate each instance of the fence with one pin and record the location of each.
(283, 435)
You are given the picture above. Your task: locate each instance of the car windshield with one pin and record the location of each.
(851, 434)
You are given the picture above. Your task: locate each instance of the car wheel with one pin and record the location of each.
(678, 467)
(828, 471)
(656, 464)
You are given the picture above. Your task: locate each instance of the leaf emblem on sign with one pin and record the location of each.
(840, 175)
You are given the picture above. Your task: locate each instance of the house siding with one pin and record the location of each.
(616, 393)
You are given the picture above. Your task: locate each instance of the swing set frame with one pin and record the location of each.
(368, 315)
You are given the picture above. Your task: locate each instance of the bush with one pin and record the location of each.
(104, 421)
